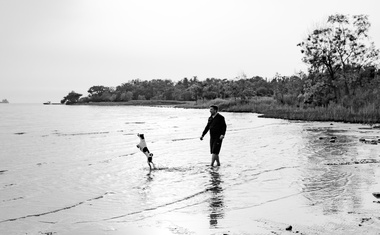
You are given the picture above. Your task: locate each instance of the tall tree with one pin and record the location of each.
(340, 50)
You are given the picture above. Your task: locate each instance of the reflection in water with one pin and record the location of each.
(216, 203)
(334, 188)
(145, 189)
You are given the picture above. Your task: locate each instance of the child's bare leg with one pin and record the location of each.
(150, 168)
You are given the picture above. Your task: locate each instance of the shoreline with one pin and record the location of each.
(137, 103)
(265, 110)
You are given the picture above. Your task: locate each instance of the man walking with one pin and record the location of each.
(217, 126)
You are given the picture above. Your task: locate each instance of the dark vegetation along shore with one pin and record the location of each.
(174, 103)
(342, 83)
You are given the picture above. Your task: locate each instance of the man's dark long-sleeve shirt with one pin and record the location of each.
(216, 125)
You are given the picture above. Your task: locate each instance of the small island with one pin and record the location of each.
(4, 101)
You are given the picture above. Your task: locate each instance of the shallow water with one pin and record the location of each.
(63, 167)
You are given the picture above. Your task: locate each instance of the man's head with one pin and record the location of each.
(213, 109)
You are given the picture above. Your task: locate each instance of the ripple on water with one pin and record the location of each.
(92, 171)
(325, 184)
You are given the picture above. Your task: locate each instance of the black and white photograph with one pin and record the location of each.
(202, 117)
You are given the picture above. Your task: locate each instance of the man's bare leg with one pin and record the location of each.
(217, 160)
(214, 158)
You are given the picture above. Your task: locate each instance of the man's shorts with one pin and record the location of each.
(215, 145)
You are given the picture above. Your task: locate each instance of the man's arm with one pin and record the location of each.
(205, 130)
(223, 128)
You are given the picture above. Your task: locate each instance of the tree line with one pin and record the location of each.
(184, 90)
(342, 69)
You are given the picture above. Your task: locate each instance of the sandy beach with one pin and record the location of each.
(277, 176)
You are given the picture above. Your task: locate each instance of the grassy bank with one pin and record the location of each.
(270, 108)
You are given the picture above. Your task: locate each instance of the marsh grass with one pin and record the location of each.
(270, 108)
(334, 112)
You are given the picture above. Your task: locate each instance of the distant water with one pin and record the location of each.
(62, 166)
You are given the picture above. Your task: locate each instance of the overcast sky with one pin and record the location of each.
(51, 47)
